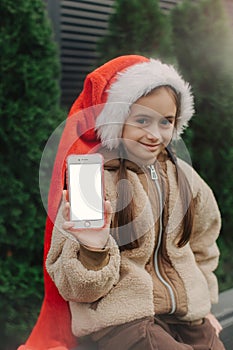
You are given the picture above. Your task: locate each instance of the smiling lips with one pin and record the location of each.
(151, 147)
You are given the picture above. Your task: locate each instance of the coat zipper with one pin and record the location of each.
(155, 179)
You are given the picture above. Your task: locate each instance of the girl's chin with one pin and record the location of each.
(143, 160)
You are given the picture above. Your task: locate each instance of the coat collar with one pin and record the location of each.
(112, 160)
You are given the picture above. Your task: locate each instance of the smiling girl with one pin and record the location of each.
(145, 280)
(150, 125)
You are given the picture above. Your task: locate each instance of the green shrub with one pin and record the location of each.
(136, 27)
(203, 46)
(29, 97)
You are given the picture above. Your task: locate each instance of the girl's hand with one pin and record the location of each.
(214, 322)
(95, 238)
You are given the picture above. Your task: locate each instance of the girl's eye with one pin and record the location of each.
(166, 122)
(142, 121)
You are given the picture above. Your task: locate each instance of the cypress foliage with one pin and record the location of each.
(203, 46)
(136, 27)
(29, 98)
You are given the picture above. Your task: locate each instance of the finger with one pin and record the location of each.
(66, 206)
(108, 213)
(217, 325)
(66, 211)
(108, 207)
(64, 196)
(219, 329)
(67, 225)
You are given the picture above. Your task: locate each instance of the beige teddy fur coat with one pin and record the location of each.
(123, 286)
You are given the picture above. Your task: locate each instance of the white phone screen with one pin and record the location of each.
(86, 192)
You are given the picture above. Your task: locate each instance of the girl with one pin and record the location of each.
(145, 280)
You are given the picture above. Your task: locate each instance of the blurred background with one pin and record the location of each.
(47, 48)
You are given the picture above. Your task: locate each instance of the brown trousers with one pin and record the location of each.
(154, 334)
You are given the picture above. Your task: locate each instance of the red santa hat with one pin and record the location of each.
(97, 117)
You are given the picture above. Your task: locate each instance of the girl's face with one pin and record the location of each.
(150, 125)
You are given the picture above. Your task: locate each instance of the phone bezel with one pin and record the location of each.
(93, 158)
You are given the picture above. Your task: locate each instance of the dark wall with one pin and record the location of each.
(77, 27)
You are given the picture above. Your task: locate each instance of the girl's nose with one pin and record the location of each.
(153, 133)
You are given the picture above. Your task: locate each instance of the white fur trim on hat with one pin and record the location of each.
(133, 83)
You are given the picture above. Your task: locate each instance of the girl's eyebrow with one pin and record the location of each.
(140, 115)
(170, 116)
(144, 114)
(150, 114)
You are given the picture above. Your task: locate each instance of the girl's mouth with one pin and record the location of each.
(151, 147)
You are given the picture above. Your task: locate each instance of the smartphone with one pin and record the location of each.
(86, 190)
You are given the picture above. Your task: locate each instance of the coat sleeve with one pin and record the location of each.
(74, 281)
(206, 228)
